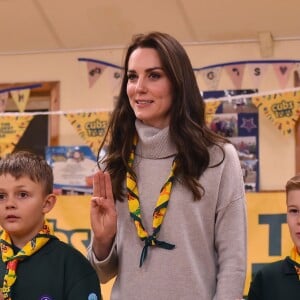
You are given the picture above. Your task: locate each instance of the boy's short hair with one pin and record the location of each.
(293, 184)
(25, 163)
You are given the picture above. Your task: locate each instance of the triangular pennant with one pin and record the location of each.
(3, 101)
(20, 97)
(115, 78)
(236, 73)
(212, 77)
(91, 127)
(282, 71)
(297, 67)
(282, 109)
(257, 72)
(11, 130)
(95, 70)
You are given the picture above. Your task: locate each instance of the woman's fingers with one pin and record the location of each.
(108, 187)
(99, 189)
(96, 185)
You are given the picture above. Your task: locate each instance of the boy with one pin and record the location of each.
(281, 280)
(35, 265)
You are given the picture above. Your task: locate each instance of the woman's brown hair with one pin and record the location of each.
(187, 118)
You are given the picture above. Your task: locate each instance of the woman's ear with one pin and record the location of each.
(49, 203)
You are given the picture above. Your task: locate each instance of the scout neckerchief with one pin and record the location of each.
(295, 257)
(12, 260)
(159, 211)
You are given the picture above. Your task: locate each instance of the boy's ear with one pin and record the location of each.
(49, 203)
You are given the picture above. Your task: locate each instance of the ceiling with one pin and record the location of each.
(59, 25)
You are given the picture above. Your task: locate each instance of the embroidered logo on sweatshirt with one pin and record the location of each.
(92, 296)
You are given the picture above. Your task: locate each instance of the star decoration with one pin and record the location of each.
(248, 124)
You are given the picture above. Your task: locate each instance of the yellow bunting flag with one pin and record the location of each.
(91, 127)
(21, 97)
(3, 101)
(282, 109)
(210, 110)
(12, 129)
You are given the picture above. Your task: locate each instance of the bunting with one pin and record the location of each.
(3, 101)
(283, 71)
(114, 79)
(94, 71)
(12, 129)
(91, 127)
(211, 77)
(257, 73)
(236, 73)
(282, 109)
(20, 98)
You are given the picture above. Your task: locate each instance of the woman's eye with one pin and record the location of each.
(155, 75)
(131, 76)
(2, 196)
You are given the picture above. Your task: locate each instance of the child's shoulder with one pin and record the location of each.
(60, 246)
(277, 267)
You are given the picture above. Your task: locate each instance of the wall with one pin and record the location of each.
(277, 152)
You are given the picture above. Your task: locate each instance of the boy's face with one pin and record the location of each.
(293, 216)
(23, 205)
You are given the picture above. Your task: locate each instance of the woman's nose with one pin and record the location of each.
(141, 86)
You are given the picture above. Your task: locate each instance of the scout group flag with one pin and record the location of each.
(12, 129)
(282, 109)
(91, 126)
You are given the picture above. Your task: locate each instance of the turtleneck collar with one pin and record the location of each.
(154, 143)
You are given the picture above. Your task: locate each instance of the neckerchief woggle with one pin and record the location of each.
(159, 210)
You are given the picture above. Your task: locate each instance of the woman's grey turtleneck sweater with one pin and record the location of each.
(209, 258)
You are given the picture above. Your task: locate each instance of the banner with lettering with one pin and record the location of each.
(282, 109)
(91, 127)
(11, 130)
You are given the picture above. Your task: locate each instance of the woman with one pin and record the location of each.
(168, 214)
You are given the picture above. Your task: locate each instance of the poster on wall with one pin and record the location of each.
(237, 120)
(73, 167)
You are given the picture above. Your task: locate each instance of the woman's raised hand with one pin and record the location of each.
(103, 215)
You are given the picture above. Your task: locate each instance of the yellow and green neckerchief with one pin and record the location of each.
(295, 257)
(12, 260)
(159, 211)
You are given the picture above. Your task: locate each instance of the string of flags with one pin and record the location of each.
(91, 126)
(19, 94)
(281, 107)
(211, 75)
